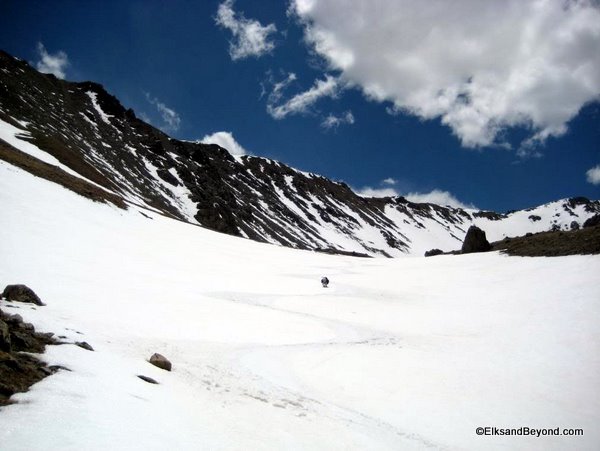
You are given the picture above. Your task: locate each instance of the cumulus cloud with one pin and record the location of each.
(593, 175)
(52, 63)
(226, 141)
(333, 122)
(302, 102)
(389, 181)
(170, 117)
(250, 38)
(479, 66)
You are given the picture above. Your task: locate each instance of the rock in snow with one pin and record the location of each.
(433, 252)
(160, 361)
(475, 241)
(19, 368)
(147, 379)
(21, 293)
(85, 345)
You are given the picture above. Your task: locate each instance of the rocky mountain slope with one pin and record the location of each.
(79, 135)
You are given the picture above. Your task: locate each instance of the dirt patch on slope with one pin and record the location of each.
(54, 174)
(552, 244)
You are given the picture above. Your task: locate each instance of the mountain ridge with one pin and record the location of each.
(87, 130)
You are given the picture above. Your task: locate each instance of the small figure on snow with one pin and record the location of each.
(324, 281)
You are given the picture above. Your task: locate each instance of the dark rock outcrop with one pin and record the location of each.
(160, 361)
(491, 215)
(18, 368)
(5, 344)
(592, 222)
(433, 252)
(584, 241)
(21, 293)
(475, 241)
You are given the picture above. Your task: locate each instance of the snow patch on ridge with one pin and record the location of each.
(94, 98)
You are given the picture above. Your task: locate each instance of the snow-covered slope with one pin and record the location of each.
(396, 354)
(86, 131)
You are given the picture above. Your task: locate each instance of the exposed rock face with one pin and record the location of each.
(592, 222)
(475, 241)
(4, 337)
(21, 293)
(433, 252)
(491, 215)
(18, 369)
(160, 361)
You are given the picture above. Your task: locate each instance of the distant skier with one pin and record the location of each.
(324, 281)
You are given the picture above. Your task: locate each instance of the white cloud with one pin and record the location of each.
(302, 102)
(367, 191)
(52, 63)
(385, 189)
(277, 87)
(435, 196)
(593, 175)
(480, 66)
(170, 117)
(250, 38)
(333, 122)
(226, 141)
(438, 197)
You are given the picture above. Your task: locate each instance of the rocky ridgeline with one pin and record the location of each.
(88, 130)
(126, 161)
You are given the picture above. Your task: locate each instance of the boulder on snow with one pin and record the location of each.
(147, 379)
(84, 345)
(433, 252)
(475, 241)
(160, 361)
(21, 293)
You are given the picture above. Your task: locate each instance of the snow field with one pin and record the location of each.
(407, 353)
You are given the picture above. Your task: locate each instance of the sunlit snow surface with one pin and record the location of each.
(408, 353)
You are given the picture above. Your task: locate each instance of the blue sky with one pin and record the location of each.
(491, 104)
